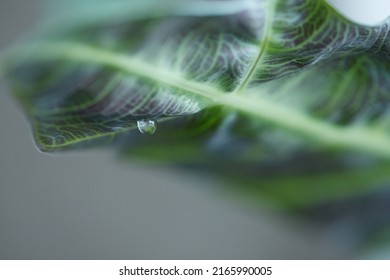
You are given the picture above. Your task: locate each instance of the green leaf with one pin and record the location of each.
(287, 91)
(280, 62)
(286, 99)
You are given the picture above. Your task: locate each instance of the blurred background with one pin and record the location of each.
(89, 205)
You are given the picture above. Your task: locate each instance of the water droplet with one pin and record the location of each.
(147, 126)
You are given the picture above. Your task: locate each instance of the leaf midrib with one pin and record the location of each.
(262, 48)
(359, 138)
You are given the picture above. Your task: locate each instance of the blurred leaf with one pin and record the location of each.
(287, 95)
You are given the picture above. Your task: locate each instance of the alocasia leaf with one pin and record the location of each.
(286, 93)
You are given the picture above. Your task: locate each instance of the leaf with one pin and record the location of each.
(278, 61)
(259, 87)
(288, 96)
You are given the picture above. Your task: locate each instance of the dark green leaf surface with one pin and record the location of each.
(297, 65)
(286, 91)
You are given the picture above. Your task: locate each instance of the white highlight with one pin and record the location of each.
(369, 12)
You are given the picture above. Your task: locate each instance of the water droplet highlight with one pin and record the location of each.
(147, 126)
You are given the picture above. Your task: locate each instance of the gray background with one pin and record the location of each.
(88, 205)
